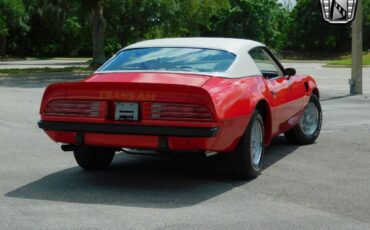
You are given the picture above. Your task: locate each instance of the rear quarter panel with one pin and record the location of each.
(234, 101)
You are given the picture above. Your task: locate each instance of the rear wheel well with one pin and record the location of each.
(264, 109)
(316, 92)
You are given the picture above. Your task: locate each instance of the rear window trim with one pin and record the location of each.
(100, 69)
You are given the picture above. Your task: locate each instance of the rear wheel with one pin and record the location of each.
(246, 160)
(93, 158)
(309, 125)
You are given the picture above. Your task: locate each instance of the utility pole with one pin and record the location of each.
(356, 78)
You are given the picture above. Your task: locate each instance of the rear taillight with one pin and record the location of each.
(176, 111)
(73, 108)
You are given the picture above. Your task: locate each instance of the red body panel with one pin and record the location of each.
(230, 101)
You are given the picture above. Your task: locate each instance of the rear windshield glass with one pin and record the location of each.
(171, 59)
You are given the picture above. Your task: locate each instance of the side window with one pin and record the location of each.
(265, 63)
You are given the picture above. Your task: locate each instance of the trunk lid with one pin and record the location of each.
(133, 87)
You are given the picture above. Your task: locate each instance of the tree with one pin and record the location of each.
(160, 18)
(309, 32)
(92, 10)
(259, 20)
(95, 8)
(101, 27)
(12, 19)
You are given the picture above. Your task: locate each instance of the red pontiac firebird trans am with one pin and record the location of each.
(208, 95)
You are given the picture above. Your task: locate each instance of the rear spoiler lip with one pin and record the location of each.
(206, 74)
(129, 129)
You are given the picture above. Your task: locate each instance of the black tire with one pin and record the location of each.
(93, 158)
(240, 160)
(297, 136)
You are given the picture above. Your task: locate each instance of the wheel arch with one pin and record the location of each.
(316, 92)
(311, 86)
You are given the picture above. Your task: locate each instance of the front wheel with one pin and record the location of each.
(93, 158)
(309, 125)
(246, 160)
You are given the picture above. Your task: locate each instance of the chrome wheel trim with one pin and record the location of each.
(256, 145)
(309, 120)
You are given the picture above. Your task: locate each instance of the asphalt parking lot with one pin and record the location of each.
(321, 186)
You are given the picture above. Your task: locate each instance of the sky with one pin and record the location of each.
(287, 2)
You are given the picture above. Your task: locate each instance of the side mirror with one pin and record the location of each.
(290, 71)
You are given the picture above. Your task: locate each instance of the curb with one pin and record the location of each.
(44, 73)
(302, 61)
(342, 66)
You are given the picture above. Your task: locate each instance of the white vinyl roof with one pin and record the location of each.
(243, 65)
(232, 45)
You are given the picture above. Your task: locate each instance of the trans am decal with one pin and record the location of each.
(119, 95)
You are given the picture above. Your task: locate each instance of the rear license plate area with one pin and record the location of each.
(126, 111)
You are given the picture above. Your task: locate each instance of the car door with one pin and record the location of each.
(282, 99)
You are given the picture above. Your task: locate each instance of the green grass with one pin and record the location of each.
(46, 70)
(347, 60)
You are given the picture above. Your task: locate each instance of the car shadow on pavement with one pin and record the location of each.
(141, 181)
(336, 97)
(278, 149)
